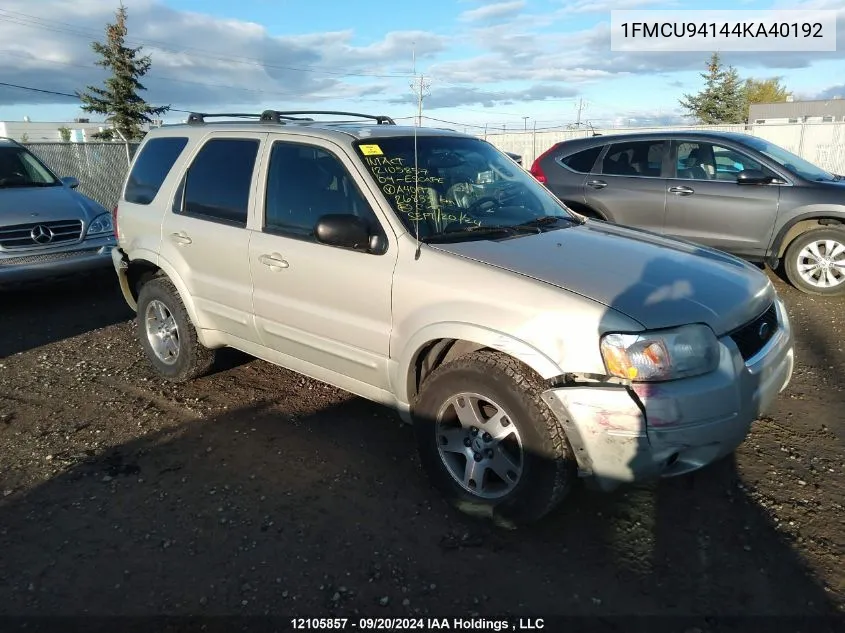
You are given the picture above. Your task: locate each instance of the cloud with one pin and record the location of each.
(492, 11)
(199, 61)
(606, 6)
(456, 96)
(525, 50)
(832, 92)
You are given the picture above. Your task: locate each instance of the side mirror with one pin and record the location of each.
(755, 177)
(343, 230)
(70, 181)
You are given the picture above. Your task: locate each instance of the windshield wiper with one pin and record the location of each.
(549, 220)
(505, 229)
(10, 185)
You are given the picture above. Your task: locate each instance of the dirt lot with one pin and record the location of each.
(256, 491)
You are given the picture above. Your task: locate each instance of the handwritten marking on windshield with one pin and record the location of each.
(406, 186)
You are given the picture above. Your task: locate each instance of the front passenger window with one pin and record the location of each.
(305, 183)
(696, 161)
(706, 161)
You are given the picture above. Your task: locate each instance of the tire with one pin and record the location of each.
(507, 388)
(159, 303)
(804, 251)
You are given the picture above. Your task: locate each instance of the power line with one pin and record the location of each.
(480, 127)
(65, 94)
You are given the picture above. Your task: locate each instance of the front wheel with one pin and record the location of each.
(488, 441)
(815, 262)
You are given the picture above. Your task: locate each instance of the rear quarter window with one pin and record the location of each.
(583, 161)
(151, 168)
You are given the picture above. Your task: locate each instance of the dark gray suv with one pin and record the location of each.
(735, 192)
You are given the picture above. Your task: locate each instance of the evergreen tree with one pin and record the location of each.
(118, 100)
(723, 99)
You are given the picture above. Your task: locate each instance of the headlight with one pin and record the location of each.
(101, 224)
(686, 351)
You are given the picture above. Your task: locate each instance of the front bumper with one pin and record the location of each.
(623, 434)
(87, 256)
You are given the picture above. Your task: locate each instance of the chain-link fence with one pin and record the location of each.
(100, 167)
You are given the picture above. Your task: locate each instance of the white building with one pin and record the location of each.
(48, 132)
(790, 111)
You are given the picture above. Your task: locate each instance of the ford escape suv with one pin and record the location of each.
(425, 270)
(735, 192)
(48, 229)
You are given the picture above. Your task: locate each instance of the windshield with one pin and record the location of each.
(459, 187)
(19, 168)
(790, 161)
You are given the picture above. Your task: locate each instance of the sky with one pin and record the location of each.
(509, 64)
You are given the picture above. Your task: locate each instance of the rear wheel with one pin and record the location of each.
(488, 441)
(815, 262)
(166, 334)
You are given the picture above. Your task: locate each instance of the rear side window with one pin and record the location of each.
(218, 182)
(153, 164)
(582, 161)
(635, 158)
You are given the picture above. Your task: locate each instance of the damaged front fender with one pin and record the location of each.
(607, 431)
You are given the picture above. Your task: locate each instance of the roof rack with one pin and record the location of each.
(195, 118)
(279, 116)
(381, 119)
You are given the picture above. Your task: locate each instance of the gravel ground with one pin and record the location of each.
(256, 491)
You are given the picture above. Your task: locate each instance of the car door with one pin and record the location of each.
(627, 184)
(706, 205)
(205, 237)
(327, 306)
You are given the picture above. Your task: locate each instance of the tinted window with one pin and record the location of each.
(305, 183)
(636, 158)
(583, 161)
(151, 168)
(706, 161)
(19, 168)
(219, 180)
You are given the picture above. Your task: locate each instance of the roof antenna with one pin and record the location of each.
(416, 164)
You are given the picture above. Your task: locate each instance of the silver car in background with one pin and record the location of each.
(47, 228)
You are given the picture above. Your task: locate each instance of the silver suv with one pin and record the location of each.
(739, 193)
(425, 270)
(47, 228)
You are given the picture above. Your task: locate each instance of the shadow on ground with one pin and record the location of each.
(251, 513)
(45, 313)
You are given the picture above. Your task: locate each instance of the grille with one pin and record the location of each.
(751, 338)
(46, 257)
(48, 234)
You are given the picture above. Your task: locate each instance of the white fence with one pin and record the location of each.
(819, 143)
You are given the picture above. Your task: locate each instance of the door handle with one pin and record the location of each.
(597, 184)
(181, 238)
(681, 191)
(273, 261)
